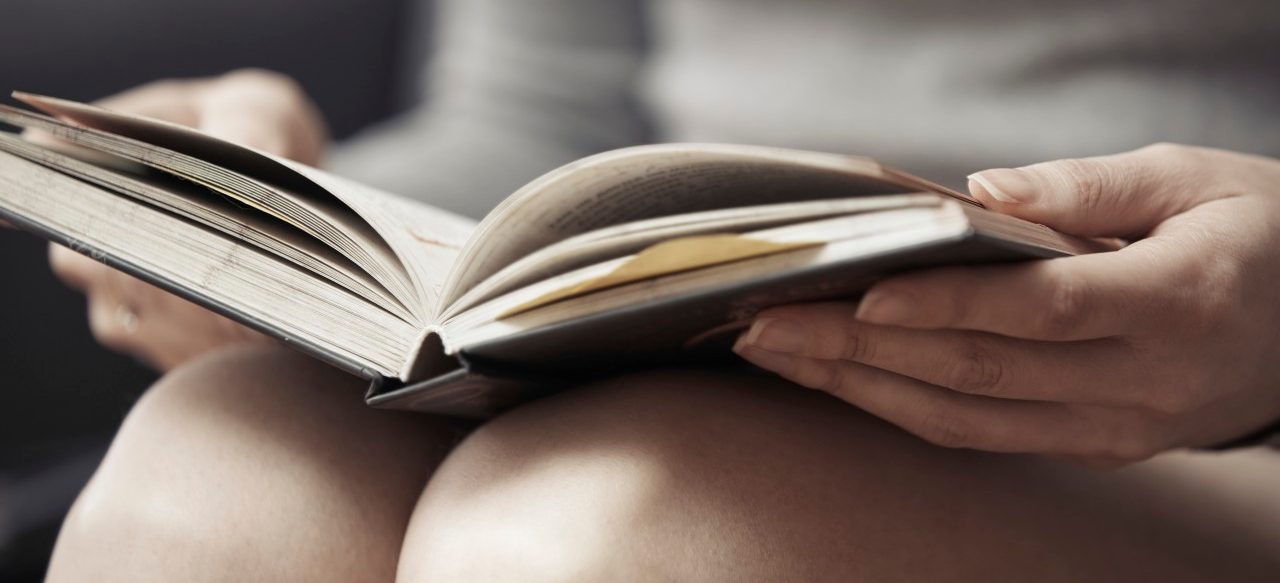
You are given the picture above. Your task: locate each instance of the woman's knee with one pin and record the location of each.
(699, 476)
(253, 464)
(662, 476)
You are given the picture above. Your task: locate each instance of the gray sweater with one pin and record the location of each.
(942, 88)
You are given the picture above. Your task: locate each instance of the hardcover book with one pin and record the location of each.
(640, 257)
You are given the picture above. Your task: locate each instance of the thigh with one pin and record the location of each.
(709, 476)
(252, 465)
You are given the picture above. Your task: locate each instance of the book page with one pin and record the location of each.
(428, 240)
(223, 274)
(579, 295)
(653, 181)
(221, 214)
(627, 238)
(322, 217)
(422, 241)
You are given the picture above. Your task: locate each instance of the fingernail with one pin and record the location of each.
(888, 308)
(1007, 185)
(775, 335)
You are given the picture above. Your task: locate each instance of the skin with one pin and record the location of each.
(1169, 342)
(259, 464)
(255, 108)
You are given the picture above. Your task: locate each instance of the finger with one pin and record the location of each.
(44, 138)
(969, 362)
(942, 417)
(1070, 298)
(1123, 195)
(73, 269)
(108, 322)
(265, 111)
(172, 100)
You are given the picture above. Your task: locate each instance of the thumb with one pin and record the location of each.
(1123, 195)
(263, 110)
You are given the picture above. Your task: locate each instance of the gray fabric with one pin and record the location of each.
(939, 87)
(515, 89)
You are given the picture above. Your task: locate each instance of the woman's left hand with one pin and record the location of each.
(251, 107)
(1172, 341)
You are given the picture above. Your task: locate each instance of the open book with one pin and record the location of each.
(643, 256)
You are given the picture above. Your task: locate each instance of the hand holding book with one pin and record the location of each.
(254, 108)
(1112, 357)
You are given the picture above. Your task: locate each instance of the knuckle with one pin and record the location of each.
(165, 86)
(945, 430)
(1088, 180)
(825, 376)
(855, 347)
(1174, 166)
(1172, 152)
(1133, 448)
(70, 267)
(109, 336)
(254, 75)
(278, 84)
(1066, 307)
(977, 371)
(106, 330)
(1163, 148)
(60, 258)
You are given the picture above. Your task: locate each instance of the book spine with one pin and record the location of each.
(461, 393)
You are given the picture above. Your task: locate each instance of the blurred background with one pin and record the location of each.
(62, 396)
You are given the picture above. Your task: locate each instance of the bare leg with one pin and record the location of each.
(700, 477)
(251, 465)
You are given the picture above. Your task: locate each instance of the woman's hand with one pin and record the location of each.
(1172, 341)
(255, 108)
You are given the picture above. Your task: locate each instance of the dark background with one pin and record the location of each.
(61, 395)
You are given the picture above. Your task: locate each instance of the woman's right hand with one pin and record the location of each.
(255, 108)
